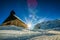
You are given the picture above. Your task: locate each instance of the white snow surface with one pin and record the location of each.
(9, 33)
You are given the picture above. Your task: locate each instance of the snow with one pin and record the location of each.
(10, 27)
(12, 33)
(5, 34)
(19, 19)
(55, 37)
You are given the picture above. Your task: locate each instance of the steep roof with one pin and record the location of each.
(19, 19)
(12, 17)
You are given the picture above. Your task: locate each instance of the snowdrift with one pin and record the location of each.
(12, 27)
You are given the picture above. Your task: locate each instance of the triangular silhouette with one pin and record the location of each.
(12, 19)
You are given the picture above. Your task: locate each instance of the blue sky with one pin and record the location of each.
(46, 8)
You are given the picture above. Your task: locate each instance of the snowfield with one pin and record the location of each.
(28, 35)
(9, 33)
(55, 37)
(17, 35)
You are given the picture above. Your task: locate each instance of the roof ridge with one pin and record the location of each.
(19, 19)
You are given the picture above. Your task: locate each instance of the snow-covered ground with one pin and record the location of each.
(24, 34)
(54, 37)
(17, 35)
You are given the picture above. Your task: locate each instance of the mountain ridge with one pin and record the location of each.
(51, 24)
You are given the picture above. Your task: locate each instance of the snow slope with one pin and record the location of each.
(17, 33)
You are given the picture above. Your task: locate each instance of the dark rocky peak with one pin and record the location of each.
(12, 12)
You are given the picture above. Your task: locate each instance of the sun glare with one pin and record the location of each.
(29, 25)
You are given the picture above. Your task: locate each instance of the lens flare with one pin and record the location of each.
(32, 18)
(29, 25)
(32, 4)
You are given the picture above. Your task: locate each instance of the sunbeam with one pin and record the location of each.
(32, 18)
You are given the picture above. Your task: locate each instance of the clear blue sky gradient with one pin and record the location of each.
(46, 8)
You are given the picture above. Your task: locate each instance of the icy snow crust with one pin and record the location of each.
(18, 33)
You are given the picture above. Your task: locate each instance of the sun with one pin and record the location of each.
(29, 25)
